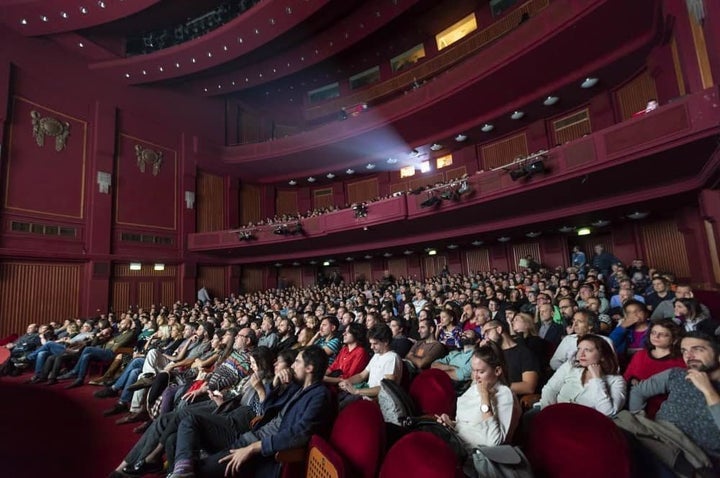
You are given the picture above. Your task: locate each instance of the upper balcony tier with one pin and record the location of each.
(648, 161)
(506, 75)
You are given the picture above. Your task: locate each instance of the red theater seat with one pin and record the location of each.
(433, 393)
(358, 435)
(420, 455)
(323, 460)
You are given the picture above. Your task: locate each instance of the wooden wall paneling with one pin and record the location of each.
(424, 181)
(665, 248)
(213, 279)
(37, 292)
(286, 202)
(147, 270)
(322, 198)
(433, 265)
(364, 190)
(168, 293)
(504, 151)
(520, 251)
(399, 187)
(290, 276)
(398, 267)
(120, 299)
(477, 260)
(145, 294)
(252, 279)
(571, 126)
(455, 173)
(250, 204)
(362, 271)
(210, 202)
(634, 95)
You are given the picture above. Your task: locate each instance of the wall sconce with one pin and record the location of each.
(189, 199)
(103, 181)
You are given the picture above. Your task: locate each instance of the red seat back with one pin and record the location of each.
(358, 435)
(433, 393)
(420, 455)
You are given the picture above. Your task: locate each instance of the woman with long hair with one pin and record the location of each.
(591, 380)
(448, 332)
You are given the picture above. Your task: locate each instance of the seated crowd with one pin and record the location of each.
(244, 377)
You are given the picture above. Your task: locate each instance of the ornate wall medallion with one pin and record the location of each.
(147, 155)
(48, 126)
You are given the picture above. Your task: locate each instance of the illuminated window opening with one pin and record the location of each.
(425, 166)
(456, 31)
(444, 161)
(408, 58)
(367, 77)
(407, 171)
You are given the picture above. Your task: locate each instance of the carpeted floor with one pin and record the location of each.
(48, 431)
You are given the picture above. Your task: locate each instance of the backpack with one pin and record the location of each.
(503, 461)
(395, 403)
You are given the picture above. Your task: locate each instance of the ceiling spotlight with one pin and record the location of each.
(408, 252)
(487, 127)
(436, 147)
(177, 65)
(638, 215)
(566, 229)
(349, 259)
(503, 239)
(431, 252)
(23, 22)
(101, 4)
(460, 138)
(277, 264)
(533, 234)
(414, 153)
(296, 264)
(387, 254)
(83, 10)
(517, 115)
(452, 246)
(370, 166)
(349, 171)
(127, 75)
(292, 182)
(600, 223)
(311, 179)
(368, 256)
(392, 160)
(43, 18)
(589, 82)
(550, 100)
(64, 14)
(477, 243)
(329, 175)
(312, 263)
(81, 44)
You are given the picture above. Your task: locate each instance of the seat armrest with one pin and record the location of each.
(291, 455)
(527, 401)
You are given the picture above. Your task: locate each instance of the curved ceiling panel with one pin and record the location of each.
(45, 17)
(254, 28)
(371, 17)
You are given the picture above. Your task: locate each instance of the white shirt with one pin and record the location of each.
(476, 431)
(388, 363)
(568, 348)
(606, 395)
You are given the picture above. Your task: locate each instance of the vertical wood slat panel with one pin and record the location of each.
(365, 190)
(120, 296)
(579, 127)
(422, 182)
(168, 294)
(292, 276)
(477, 260)
(362, 270)
(210, 202)
(213, 279)
(37, 292)
(146, 294)
(252, 279)
(398, 267)
(433, 265)
(504, 151)
(322, 198)
(250, 204)
(399, 187)
(665, 248)
(286, 202)
(520, 251)
(634, 95)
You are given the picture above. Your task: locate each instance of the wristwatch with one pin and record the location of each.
(484, 408)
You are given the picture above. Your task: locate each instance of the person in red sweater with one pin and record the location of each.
(352, 358)
(661, 352)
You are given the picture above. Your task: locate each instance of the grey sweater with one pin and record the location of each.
(685, 407)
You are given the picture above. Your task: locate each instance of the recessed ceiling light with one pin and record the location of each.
(368, 256)
(414, 153)
(295, 264)
(209, 54)
(83, 10)
(517, 115)
(64, 14)
(330, 175)
(127, 75)
(192, 60)
(205, 90)
(370, 166)
(460, 138)
(292, 182)
(311, 179)
(477, 243)
(638, 215)
(161, 68)
(431, 252)
(392, 160)
(43, 18)
(239, 39)
(600, 223)
(144, 72)
(487, 127)
(313, 262)
(349, 259)
(349, 171)
(225, 48)
(436, 147)
(177, 65)
(550, 100)
(277, 264)
(503, 239)
(101, 4)
(23, 22)
(589, 82)
(533, 234)
(408, 252)
(452, 246)
(566, 229)
(387, 254)
(81, 44)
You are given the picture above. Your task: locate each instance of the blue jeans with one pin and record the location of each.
(128, 377)
(88, 354)
(41, 354)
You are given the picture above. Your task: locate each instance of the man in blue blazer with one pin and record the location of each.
(310, 411)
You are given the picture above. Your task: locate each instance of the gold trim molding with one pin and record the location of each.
(147, 155)
(49, 126)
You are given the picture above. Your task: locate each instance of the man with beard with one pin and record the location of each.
(427, 349)
(522, 365)
(693, 403)
(457, 363)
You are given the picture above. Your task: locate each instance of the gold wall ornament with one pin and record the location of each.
(147, 155)
(49, 126)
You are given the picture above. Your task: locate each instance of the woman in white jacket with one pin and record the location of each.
(592, 379)
(487, 413)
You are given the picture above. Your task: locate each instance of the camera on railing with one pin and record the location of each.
(361, 210)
